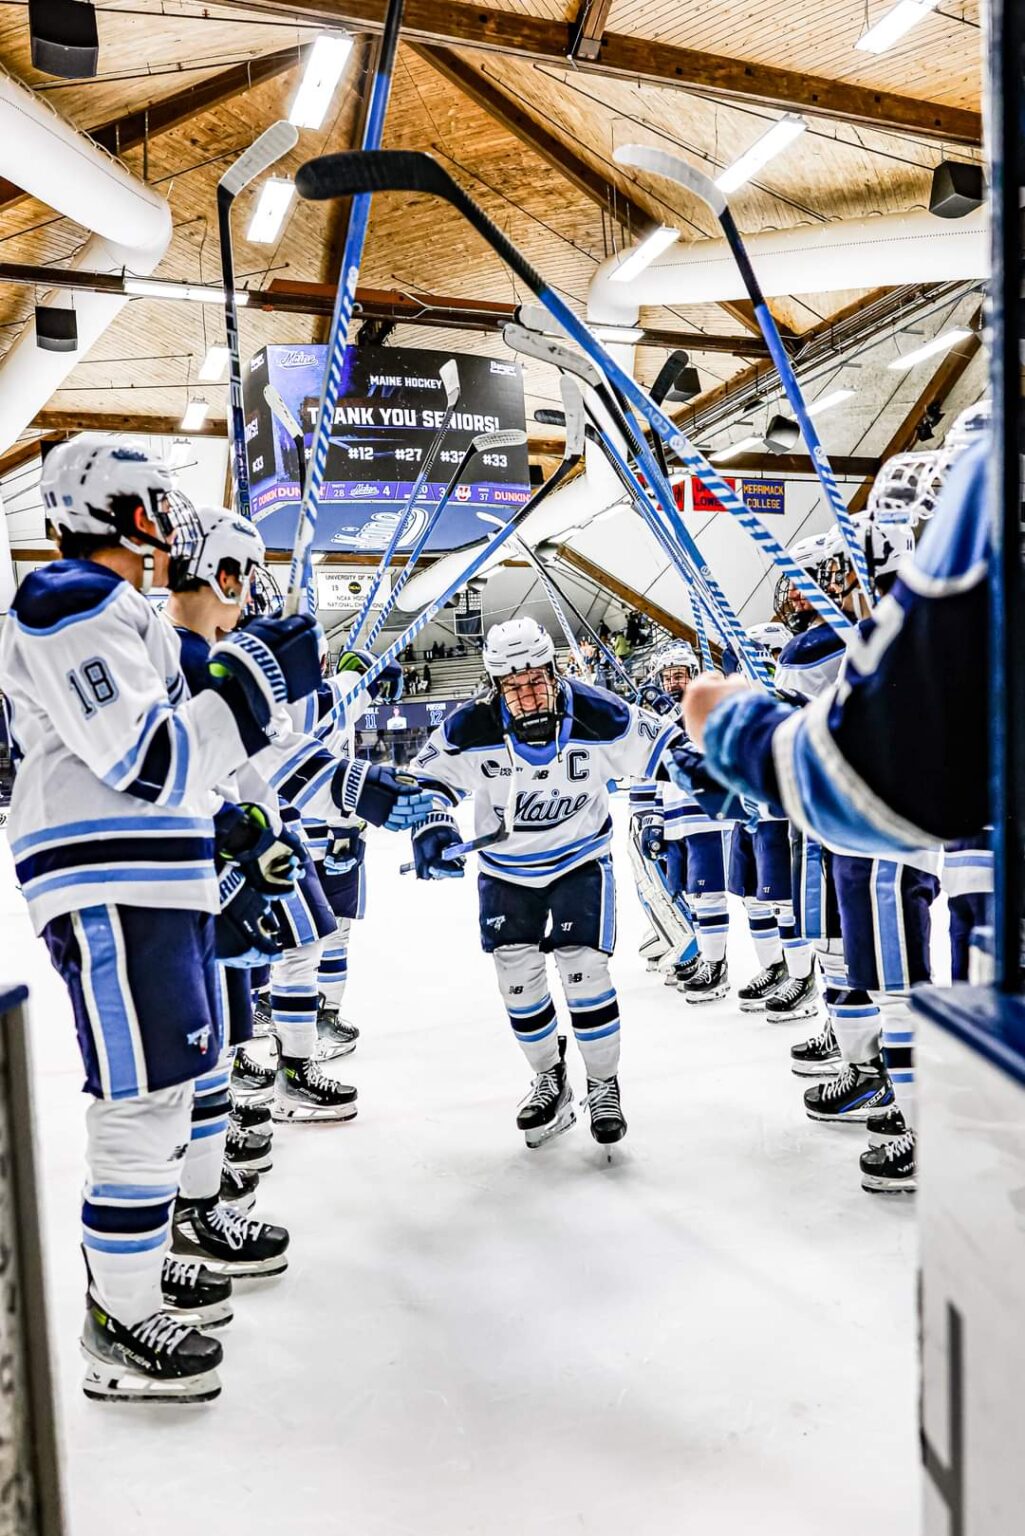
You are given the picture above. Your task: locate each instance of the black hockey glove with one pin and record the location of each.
(345, 851)
(269, 663)
(388, 799)
(269, 860)
(247, 929)
(430, 840)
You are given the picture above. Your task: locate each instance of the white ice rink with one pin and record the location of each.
(715, 1335)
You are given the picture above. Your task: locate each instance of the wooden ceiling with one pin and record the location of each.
(184, 87)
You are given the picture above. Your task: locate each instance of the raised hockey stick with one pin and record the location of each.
(552, 350)
(658, 162)
(484, 442)
(281, 413)
(449, 372)
(264, 152)
(345, 298)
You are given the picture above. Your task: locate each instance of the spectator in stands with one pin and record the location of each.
(603, 633)
(427, 678)
(620, 646)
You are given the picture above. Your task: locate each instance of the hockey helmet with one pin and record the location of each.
(815, 555)
(515, 653)
(93, 486)
(885, 544)
(772, 637)
(264, 599)
(906, 488)
(969, 425)
(673, 666)
(210, 542)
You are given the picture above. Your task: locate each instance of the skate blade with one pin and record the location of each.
(108, 1383)
(243, 1205)
(217, 1316)
(751, 1005)
(852, 1117)
(543, 1135)
(258, 1097)
(815, 1069)
(262, 1164)
(706, 997)
(240, 1269)
(875, 1184)
(808, 1011)
(312, 1114)
(327, 1052)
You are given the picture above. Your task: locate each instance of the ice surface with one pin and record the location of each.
(715, 1335)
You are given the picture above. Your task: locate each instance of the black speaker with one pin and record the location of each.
(958, 188)
(781, 434)
(56, 329)
(686, 385)
(64, 38)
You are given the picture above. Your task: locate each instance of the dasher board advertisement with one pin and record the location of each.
(390, 407)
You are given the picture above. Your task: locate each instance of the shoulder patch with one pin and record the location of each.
(597, 715)
(474, 724)
(63, 591)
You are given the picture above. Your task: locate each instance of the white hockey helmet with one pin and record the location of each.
(675, 653)
(93, 486)
(210, 539)
(517, 646)
(885, 544)
(772, 637)
(905, 488)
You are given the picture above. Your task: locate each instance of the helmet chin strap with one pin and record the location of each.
(147, 572)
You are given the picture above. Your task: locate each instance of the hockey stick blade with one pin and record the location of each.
(659, 162)
(350, 172)
(449, 372)
(485, 442)
(546, 349)
(264, 152)
(536, 318)
(576, 421)
(279, 409)
(668, 374)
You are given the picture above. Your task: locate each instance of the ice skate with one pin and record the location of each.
(753, 997)
(238, 1187)
(335, 1035)
(608, 1124)
(681, 972)
(303, 1092)
(247, 1115)
(194, 1295)
(885, 1126)
(891, 1169)
(250, 1079)
(797, 998)
(547, 1110)
(817, 1057)
(225, 1241)
(250, 1151)
(710, 982)
(157, 1360)
(853, 1096)
(263, 1019)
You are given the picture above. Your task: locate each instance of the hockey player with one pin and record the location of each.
(114, 800)
(537, 754)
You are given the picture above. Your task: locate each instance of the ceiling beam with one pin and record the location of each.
(844, 467)
(541, 141)
(119, 134)
(61, 421)
(24, 453)
(341, 208)
(589, 28)
(629, 595)
(443, 23)
(951, 370)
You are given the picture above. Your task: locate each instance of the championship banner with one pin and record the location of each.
(341, 586)
(391, 404)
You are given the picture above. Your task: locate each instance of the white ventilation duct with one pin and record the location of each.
(131, 227)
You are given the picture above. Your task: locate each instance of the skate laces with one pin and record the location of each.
(842, 1084)
(602, 1096)
(791, 990)
(230, 1225)
(763, 979)
(315, 1078)
(545, 1088)
(702, 973)
(825, 1040)
(181, 1271)
(893, 1151)
(162, 1332)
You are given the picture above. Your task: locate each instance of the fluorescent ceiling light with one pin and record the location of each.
(782, 133)
(889, 29)
(826, 402)
(274, 201)
(328, 57)
(196, 293)
(614, 333)
(941, 343)
(195, 415)
(743, 446)
(644, 254)
(215, 365)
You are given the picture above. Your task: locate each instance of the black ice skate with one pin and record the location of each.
(760, 988)
(263, 1019)
(602, 1099)
(303, 1092)
(710, 982)
(547, 1110)
(194, 1295)
(238, 1187)
(890, 1169)
(250, 1079)
(797, 998)
(335, 1035)
(885, 1127)
(857, 1093)
(251, 1151)
(249, 1116)
(817, 1057)
(225, 1241)
(677, 974)
(157, 1360)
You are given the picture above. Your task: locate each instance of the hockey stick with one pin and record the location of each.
(484, 442)
(486, 839)
(550, 350)
(291, 425)
(551, 592)
(264, 152)
(345, 298)
(673, 168)
(449, 372)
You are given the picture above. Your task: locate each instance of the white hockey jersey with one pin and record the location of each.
(113, 799)
(555, 799)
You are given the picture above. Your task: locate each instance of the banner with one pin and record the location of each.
(340, 586)
(390, 407)
(760, 495)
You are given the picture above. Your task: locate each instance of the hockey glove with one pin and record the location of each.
(688, 771)
(650, 696)
(653, 834)
(430, 840)
(269, 663)
(346, 850)
(387, 687)
(269, 860)
(247, 929)
(379, 795)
